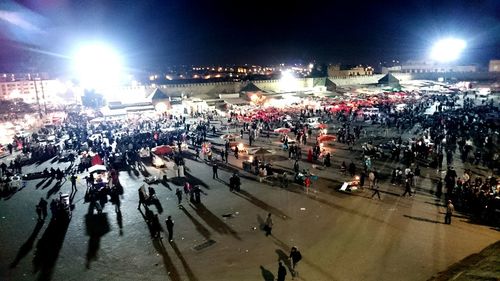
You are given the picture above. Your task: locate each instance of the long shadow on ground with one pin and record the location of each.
(172, 272)
(261, 204)
(96, 226)
(28, 245)
(214, 222)
(339, 207)
(282, 256)
(48, 247)
(266, 274)
(54, 189)
(421, 219)
(186, 266)
(199, 227)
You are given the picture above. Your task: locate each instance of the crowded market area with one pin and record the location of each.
(413, 129)
(438, 144)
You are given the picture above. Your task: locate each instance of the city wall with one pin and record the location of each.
(213, 89)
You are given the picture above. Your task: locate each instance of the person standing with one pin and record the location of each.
(295, 257)
(268, 226)
(296, 167)
(449, 212)
(53, 208)
(197, 194)
(178, 193)
(73, 182)
(416, 175)
(236, 152)
(39, 212)
(222, 154)
(170, 228)
(362, 179)
(281, 271)
(215, 168)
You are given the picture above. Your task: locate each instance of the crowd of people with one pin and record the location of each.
(468, 134)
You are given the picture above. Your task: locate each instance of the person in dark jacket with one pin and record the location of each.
(295, 257)
(281, 272)
(170, 228)
(215, 168)
(142, 199)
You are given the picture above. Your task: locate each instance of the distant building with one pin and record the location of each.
(27, 90)
(428, 67)
(494, 66)
(11, 77)
(391, 69)
(338, 71)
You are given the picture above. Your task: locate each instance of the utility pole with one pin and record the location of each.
(43, 95)
(37, 98)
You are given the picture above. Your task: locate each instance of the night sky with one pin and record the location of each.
(153, 34)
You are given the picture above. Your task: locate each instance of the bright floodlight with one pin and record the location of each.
(288, 82)
(98, 66)
(447, 50)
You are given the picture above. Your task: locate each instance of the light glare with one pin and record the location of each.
(447, 50)
(98, 66)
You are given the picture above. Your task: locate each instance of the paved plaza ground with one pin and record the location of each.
(342, 236)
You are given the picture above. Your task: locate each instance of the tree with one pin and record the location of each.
(92, 99)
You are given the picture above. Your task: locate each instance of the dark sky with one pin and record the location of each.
(151, 34)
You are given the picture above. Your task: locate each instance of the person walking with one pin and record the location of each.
(73, 182)
(407, 188)
(38, 212)
(268, 225)
(215, 168)
(142, 198)
(187, 189)
(156, 227)
(376, 191)
(281, 271)
(170, 228)
(115, 198)
(295, 257)
(449, 212)
(42, 205)
(178, 193)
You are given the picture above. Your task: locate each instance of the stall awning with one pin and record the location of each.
(237, 101)
(140, 108)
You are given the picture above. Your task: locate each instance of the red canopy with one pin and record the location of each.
(162, 150)
(96, 160)
(282, 130)
(326, 138)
